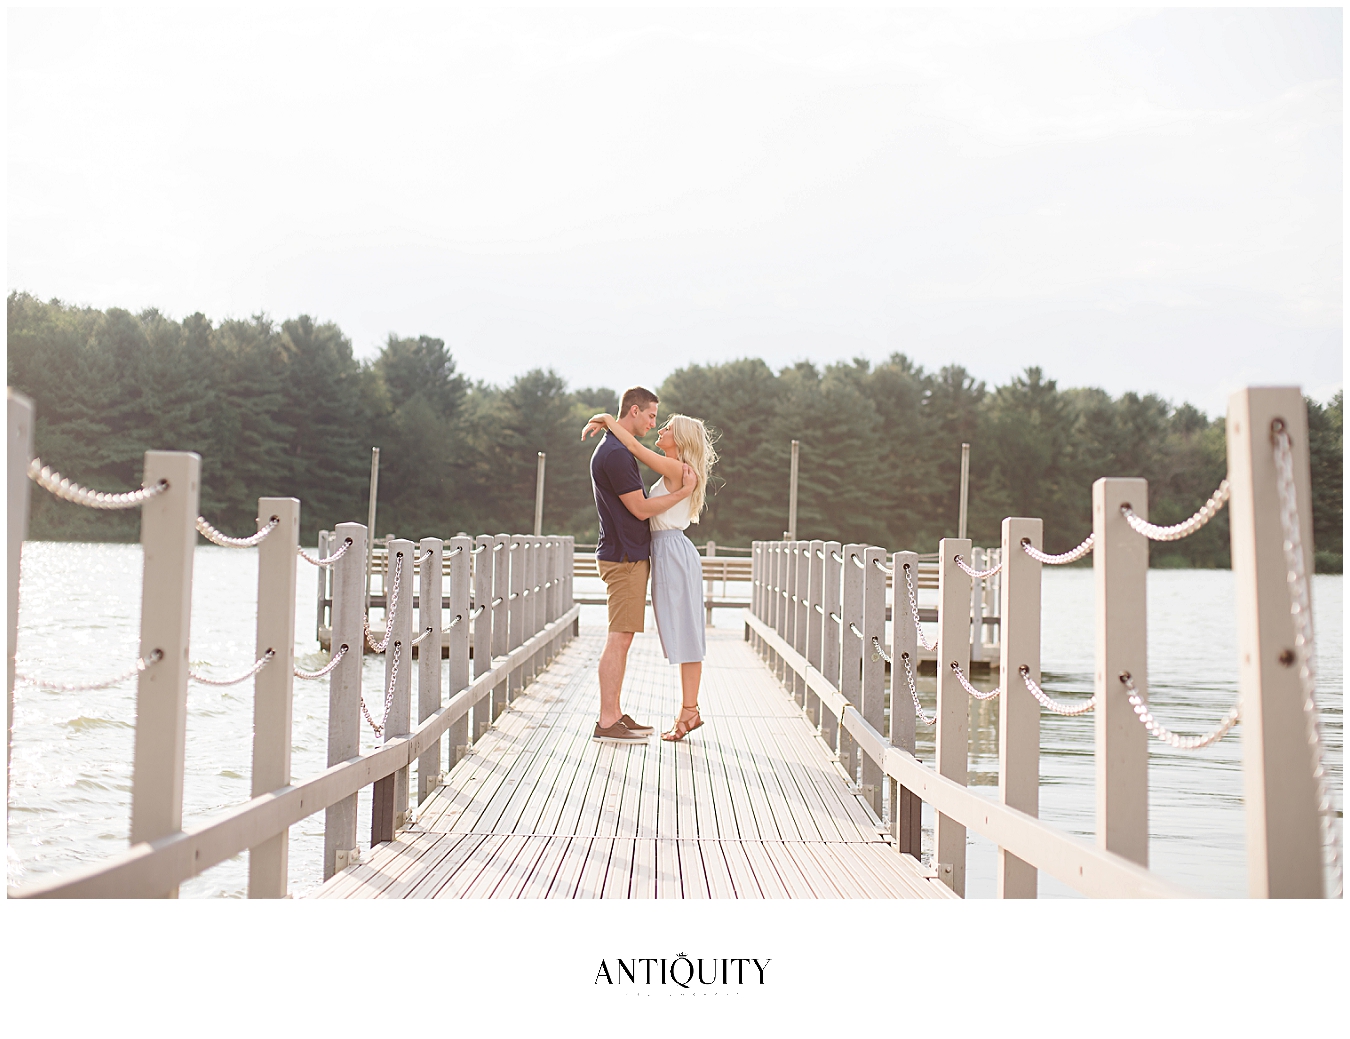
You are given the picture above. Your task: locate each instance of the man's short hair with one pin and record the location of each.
(636, 395)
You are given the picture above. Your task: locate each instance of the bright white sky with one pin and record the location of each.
(1133, 201)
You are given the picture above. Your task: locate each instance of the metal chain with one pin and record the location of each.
(914, 608)
(420, 638)
(63, 488)
(878, 653)
(914, 692)
(225, 541)
(887, 570)
(310, 676)
(84, 687)
(977, 574)
(327, 560)
(1178, 530)
(388, 699)
(1166, 735)
(854, 628)
(381, 646)
(1300, 609)
(970, 688)
(1068, 710)
(258, 665)
(473, 614)
(1084, 547)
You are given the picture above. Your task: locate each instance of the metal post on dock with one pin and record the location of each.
(370, 523)
(539, 498)
(792, 493)
(1120, 566)
(906, 808)
(461, 551)
(168, 540)
(1019, 729)
(1285, 854)
(953, 703)
(873, 668)
(20, 420)
(429, 659)
(274, 685)
(340, 848)
(965, 490)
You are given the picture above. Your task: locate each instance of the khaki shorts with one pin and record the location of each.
(626, 591)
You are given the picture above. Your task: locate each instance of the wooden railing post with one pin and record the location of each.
(389, 803)
(529, 558)
(977, 562)
(851, 650)
(569, 597)
(1284, 830)
(1120, 563)
(549, 580)
(1019, 730)
(781, 604)
(324, 552)
(519, 561)
(457, 634)
(20, 419)
(484, 580)
(873, 668)
(501, 623)
(274, 685)
(754, 595)
(829, 636)
(953, 702)
(815, 592)
(344, 691)
(800, 584)
(429, 659)
(906, 808)
(168, 538)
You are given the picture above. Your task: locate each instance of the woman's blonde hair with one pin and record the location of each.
(696, 451)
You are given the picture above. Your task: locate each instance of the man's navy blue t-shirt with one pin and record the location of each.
(614, 471)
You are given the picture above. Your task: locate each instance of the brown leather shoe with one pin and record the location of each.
(617, 733)
(640, 729)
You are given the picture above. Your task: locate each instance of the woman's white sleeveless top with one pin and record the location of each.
(674, 518)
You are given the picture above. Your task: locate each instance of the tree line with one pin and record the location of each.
(284, 408)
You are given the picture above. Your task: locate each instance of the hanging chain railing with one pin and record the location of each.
(383, 644)
(1178, 530)
(1300, 610)
(310, 676)
(258, 665)
(914, 609)
(965, 684)
(1160, 732)
(1056, 706)
(388, 698)
(979, 575)
(225, 541)
(327, 560)
(1074, 554)
(86, 687)
(64, 489)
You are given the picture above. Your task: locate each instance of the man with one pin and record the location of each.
(622, 555)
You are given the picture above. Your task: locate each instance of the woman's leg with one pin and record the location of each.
(690, 676)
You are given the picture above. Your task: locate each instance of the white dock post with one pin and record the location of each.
(800, 583)
(323, 583)
(782, 604)
(873, 668)
(429, 659)
(20, 419)
(389, 805)
(815, 593)
(549, 579)
(534, 583)
(168, 538)
(484, 572)
(539, 497)
(709, 552)
(1284, 831)
(458, 637)
(274, 685)
(1019, 730)
(792, 493)
(977, 562)
(519, 557)
(851, 651)
(502, 565)
(906, 808)
(953, 703)
(344, 691)
(756, 592)
(1120, 563)
(569, 590)
(829, 635)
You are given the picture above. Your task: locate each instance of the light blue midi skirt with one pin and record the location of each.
(677, 596)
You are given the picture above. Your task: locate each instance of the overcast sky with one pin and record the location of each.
(1134, 201)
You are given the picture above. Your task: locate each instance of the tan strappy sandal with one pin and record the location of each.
(681, 729)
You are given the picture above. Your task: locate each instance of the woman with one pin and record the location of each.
(677, 574)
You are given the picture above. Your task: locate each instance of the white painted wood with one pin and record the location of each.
(953, 702)
(1019, 729)
(518, 560)
(372, 502)
(429, 583)
(1120, 565)
(830, 605)
(501, 626)
(168, 538)
(484, 572)
(800, 582)
(457, 637)
(344, 686)
(906, 811)
(873, 668)
(273, 686)
(851, 649)
(977, 562)
(324, 551)
(780, 594)
(529, 560)
(1284, 837)
(20, 439)
(399, 720)
(815, 629)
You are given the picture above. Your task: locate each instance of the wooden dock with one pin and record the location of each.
(751, 805)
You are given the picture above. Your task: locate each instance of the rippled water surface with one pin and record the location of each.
(79, 620)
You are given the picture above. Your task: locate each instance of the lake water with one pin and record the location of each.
(79, 622)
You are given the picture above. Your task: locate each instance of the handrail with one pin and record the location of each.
(1084, 867)
(150, 868)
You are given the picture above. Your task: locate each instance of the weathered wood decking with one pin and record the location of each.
(751, 805)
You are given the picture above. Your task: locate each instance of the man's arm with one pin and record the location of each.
(645, 508)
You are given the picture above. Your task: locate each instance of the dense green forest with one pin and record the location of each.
(284, 408)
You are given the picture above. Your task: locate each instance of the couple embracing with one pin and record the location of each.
(642, 534)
